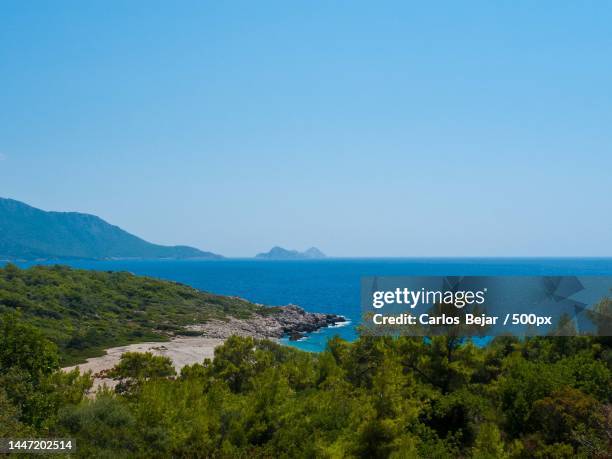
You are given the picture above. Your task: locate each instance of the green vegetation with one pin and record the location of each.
(378, 397)
(84, 312)
(32, 390)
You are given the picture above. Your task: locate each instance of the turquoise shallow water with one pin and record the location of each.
(332, 285)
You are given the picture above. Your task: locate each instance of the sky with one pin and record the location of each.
(363, 128)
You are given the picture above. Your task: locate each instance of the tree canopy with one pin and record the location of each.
(376, 397)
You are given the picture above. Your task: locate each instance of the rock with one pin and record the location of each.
(279, 253)
(280, 321)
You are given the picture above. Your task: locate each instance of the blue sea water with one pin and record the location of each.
(332, 285)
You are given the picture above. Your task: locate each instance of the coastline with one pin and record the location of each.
(284, 321)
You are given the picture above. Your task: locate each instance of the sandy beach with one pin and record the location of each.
(182, 351)
(288, 320)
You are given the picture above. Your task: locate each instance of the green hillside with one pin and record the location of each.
(84, 312)
(30, 233)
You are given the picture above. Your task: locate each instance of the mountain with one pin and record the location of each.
(30, 233)
(278, 253)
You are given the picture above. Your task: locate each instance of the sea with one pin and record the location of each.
(330, 285)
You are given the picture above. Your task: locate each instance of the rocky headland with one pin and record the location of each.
(274, 322)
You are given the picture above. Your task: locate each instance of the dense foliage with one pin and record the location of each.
(84, 312)
(375, 398)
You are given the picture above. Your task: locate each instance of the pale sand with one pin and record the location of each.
(182, 351)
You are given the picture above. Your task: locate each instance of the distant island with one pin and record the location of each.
(28, 233)
(278, 253)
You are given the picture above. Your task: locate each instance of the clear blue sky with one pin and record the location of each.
(364, 128)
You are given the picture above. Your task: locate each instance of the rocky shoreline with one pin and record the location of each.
(273, 323)
(290, 320)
